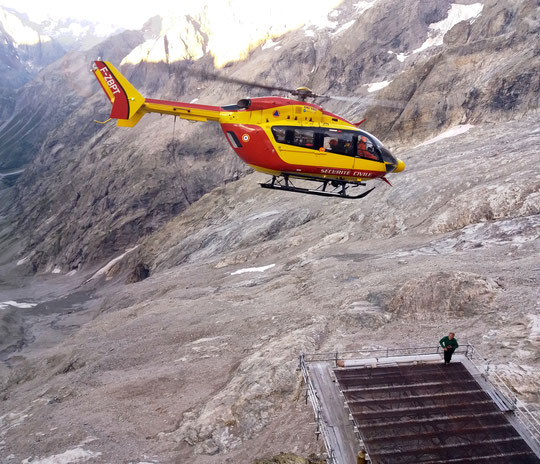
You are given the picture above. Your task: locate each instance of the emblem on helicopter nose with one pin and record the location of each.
(245, 138)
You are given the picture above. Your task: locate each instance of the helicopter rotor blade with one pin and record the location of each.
(234, 80)
(371, 101)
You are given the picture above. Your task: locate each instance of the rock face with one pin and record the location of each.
(465, 82)
(246, 404)
(443, 294)
(23, 49)
(194, 359)
(196, 363)
(11, 329)
(72, 212)
(50, 100)
(288, 458)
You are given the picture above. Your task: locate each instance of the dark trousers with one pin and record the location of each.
(448, 355)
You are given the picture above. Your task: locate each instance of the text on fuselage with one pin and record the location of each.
(346, 172)
(109, 79)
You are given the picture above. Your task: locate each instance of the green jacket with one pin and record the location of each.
(445, 341)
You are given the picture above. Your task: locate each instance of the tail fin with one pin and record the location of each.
(127, 102)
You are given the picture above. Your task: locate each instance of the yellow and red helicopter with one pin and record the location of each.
(287, 139)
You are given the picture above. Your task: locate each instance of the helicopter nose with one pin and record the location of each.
(400, 166)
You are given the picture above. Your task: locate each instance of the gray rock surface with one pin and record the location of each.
(24, 49)
(487, 69)
(93, 190)
(196, 363)
(174, 294)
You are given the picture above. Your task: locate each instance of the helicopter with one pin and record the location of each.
(285, 138)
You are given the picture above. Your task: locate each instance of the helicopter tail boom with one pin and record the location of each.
(129, 106)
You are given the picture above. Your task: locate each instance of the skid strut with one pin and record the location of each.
(327, 188)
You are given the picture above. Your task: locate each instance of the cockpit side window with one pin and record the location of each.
(280, 134)
(338, 141)
(297, 136)
(344, 142)
(366, 149)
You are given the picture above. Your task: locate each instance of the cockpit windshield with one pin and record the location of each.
(375, 139)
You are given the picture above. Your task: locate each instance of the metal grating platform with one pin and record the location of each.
(429, 413)
(404, 406)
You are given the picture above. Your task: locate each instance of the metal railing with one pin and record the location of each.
(322, 427)
(520, 410)
(374, 353)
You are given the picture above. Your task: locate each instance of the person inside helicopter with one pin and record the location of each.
(366, 149)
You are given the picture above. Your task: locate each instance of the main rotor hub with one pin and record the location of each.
(303, 92)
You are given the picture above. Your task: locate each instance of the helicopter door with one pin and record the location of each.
(337, 148)
(293, 142)
(366, 151)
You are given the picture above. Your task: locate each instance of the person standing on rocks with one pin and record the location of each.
(449, 344)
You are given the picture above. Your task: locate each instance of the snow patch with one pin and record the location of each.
(263, 215)
(253, 269)
(56, 270)
(15, 304)
(438, 30)
(452, 132)
(456, 14)
(375, 86)
(309, 33)
(19, 32)
(344, 27)
(71, 456)
(401, 57)
(73, 272)
(10, 173)
(194, 100)
(363, 6)
(23, 260)
(110, 264)
(269, 44)
(208, 339)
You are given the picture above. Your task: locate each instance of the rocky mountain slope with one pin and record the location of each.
(68, 218)
(154, 298)
(27, 46)
(23, 49)
(196, 363)
(486, 71)
(49, 100)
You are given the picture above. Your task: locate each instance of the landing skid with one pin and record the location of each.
(327, 188)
